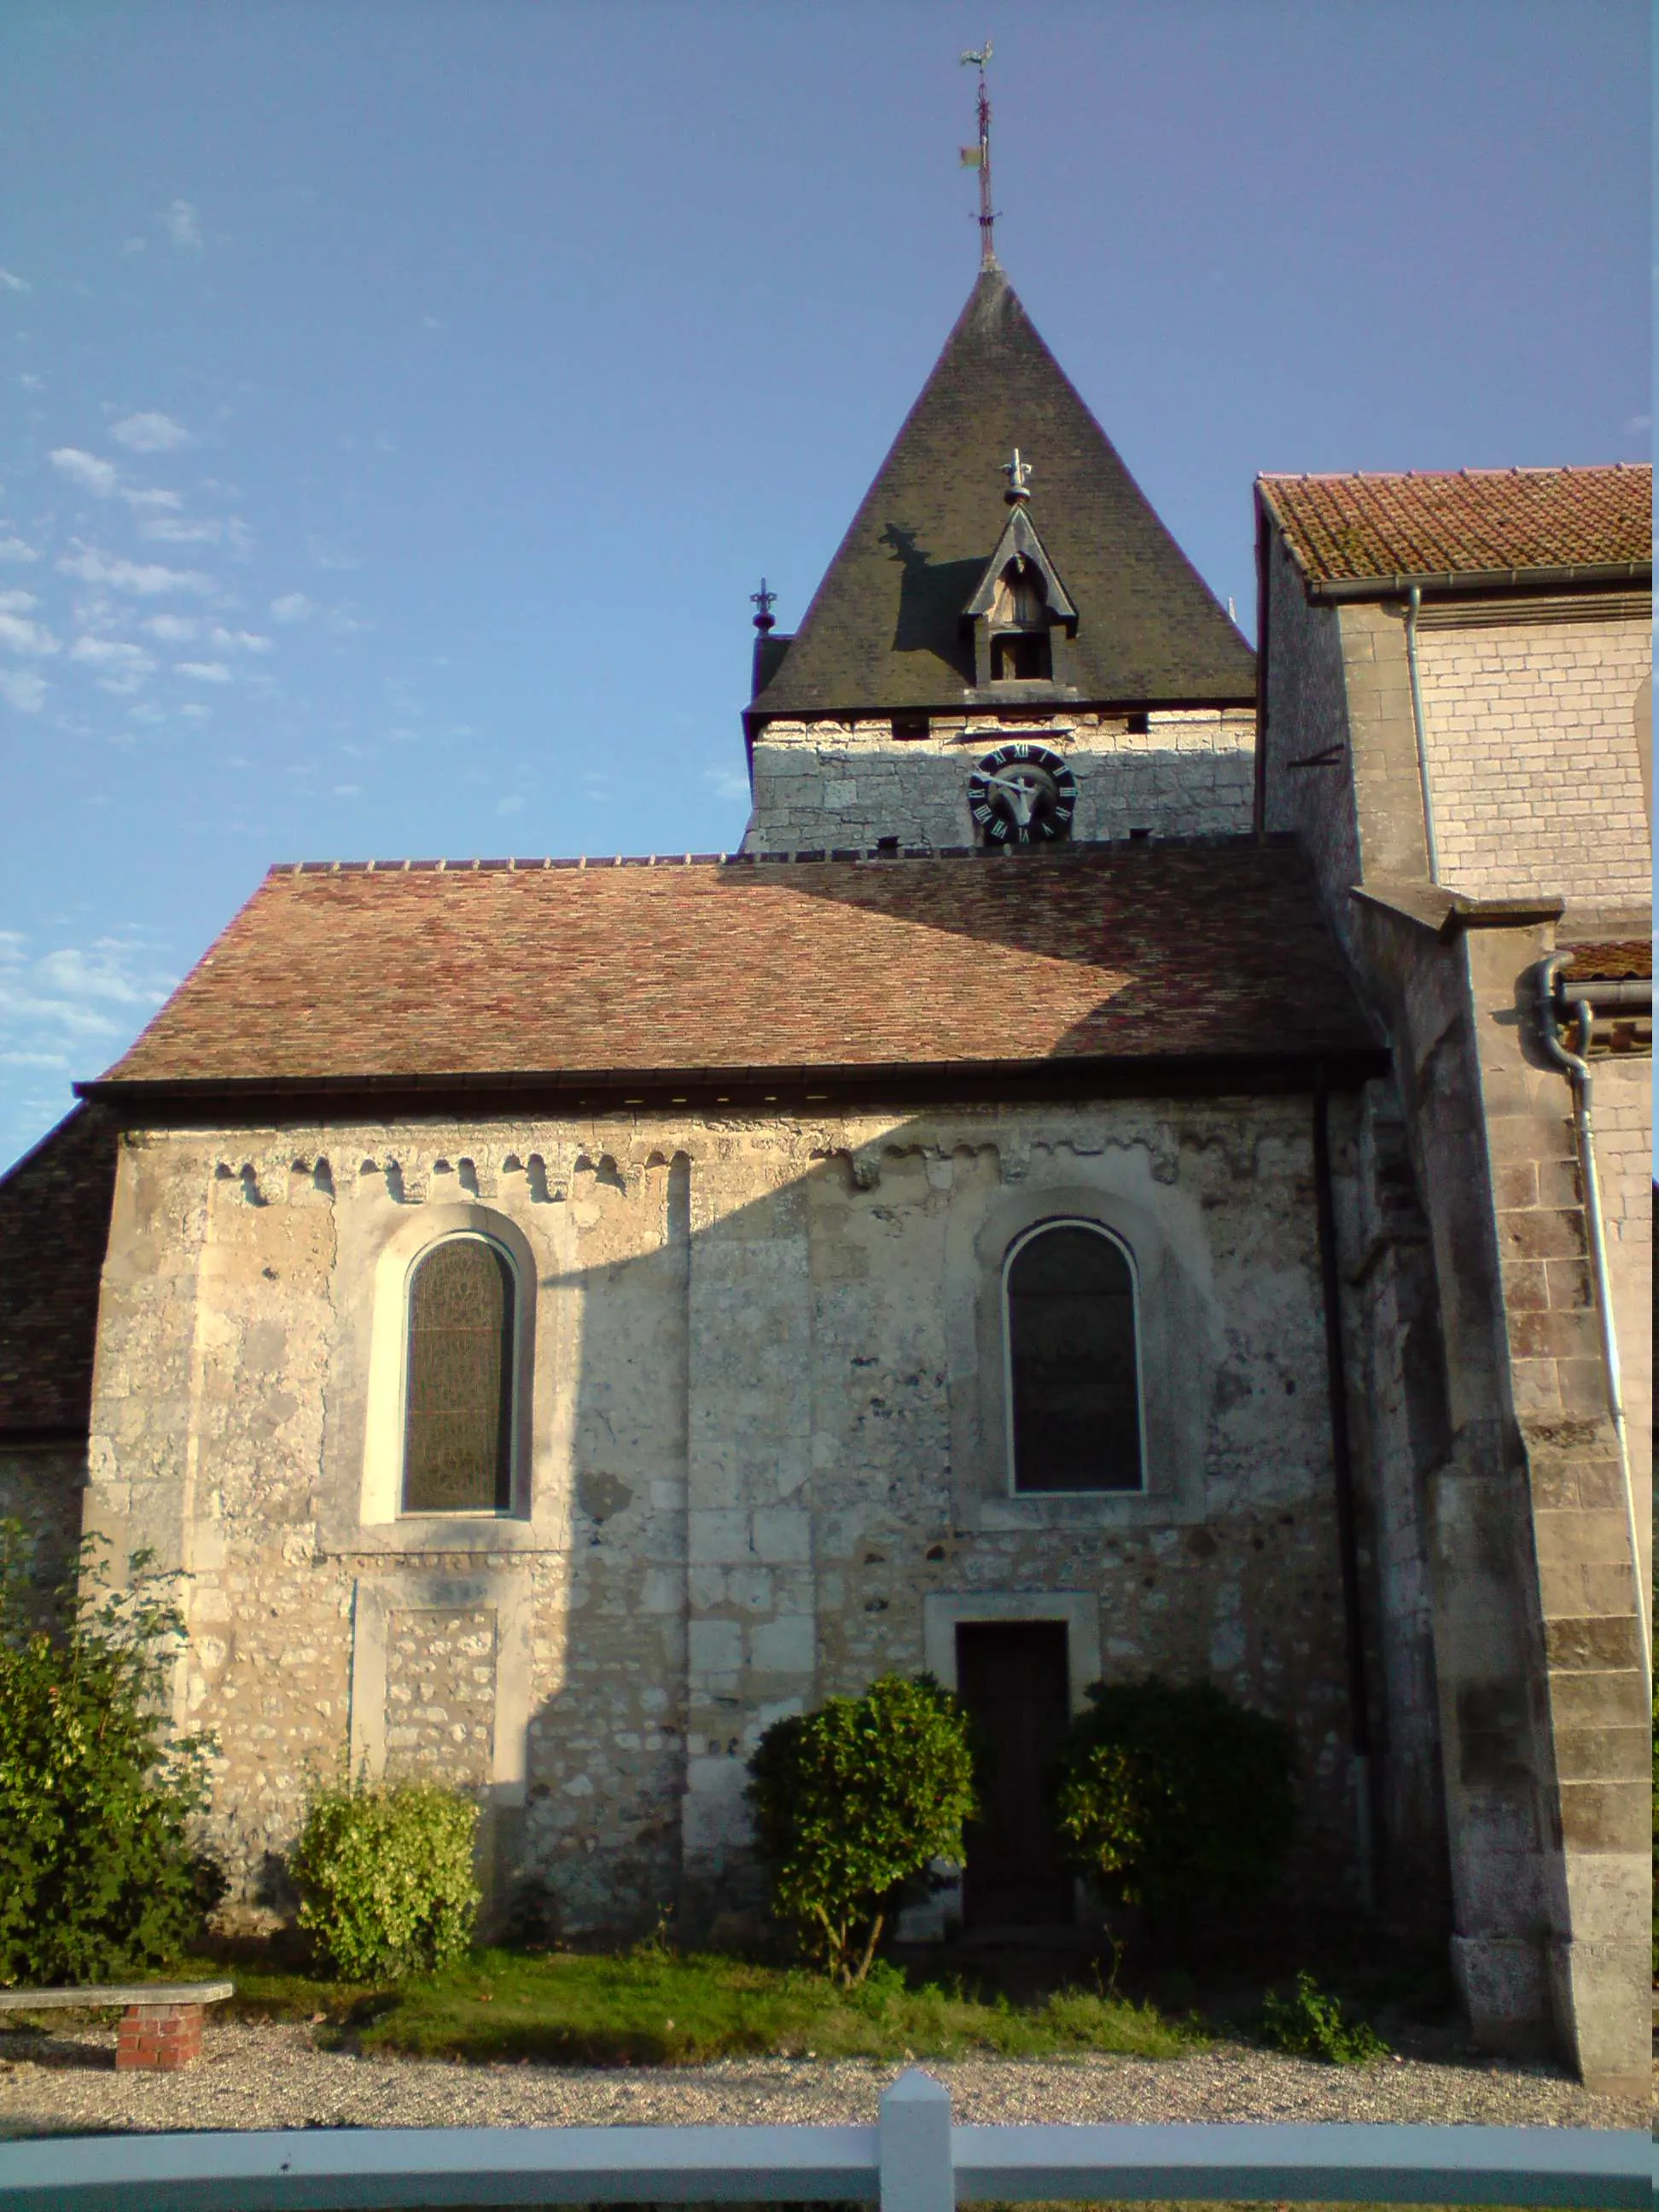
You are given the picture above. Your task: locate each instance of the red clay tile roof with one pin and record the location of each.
(339, 974)
(54, 1226)
(1472, 522)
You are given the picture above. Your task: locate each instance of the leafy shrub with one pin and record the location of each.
(1310, 2025)
(385, 1877)
(1172, 1798)
(852, 1800)
(97, 1877)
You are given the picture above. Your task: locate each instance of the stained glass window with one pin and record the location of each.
(458, 1428)
(1072, 1368)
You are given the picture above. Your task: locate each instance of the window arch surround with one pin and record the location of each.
(380, 1514)
(459, 1397)
(1074, 1398)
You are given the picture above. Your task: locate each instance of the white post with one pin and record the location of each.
(916, 2174)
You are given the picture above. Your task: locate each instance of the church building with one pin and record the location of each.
(1032, 1213)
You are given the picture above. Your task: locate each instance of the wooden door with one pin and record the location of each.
(1013, 1678)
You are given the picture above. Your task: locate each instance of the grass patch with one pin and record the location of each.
(655, 2008)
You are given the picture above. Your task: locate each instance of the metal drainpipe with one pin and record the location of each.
(1576, 1065)
(1348, 1537)
(1413, 607)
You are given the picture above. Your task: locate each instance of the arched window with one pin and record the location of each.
(458, 1382)
(1073, 1366)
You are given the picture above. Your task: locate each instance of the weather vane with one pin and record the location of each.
(979, 157)
(764, 600)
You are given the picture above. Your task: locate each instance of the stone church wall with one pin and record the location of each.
(828, 784)
(763, 1447)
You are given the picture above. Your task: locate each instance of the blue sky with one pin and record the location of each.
(401, 400)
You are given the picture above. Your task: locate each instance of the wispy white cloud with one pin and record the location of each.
(149, 495)
(22, 690)
(348, 790)
(204, 671)
(176, 530)
(15, 551)
(173, 629)
(323, 555)
(111, 653)
(238, 640)
(141, 577)
(9, 282)
(183, 226)
(18, 634)
(149, 433)
(75, 994)
(85, 469)
(729, 782)
(30, 381)
(292, 607)
(17, 603)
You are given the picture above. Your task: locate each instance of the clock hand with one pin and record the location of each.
(1024, 795)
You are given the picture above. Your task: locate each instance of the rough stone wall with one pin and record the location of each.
(1533, 754)
(827, 785)
(763, 1433)
(40, 1488)
(441, 1696)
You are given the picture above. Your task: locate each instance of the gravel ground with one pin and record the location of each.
(276, 2077)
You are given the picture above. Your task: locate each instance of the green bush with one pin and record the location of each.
(1310, 2025)
(1174, 1798)
(97, 1876)
(385, 1877)
(852, 1800)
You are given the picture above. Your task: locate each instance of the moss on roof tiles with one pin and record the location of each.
(884, 632)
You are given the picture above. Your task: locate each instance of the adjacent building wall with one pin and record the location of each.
(1541, 1707)
(1529, 720)
(764, 1434)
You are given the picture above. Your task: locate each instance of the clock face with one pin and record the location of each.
(1022, 795)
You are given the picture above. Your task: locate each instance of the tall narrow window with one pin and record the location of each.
(1074, 1369)
(458, 1421)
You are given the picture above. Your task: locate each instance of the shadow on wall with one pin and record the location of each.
(766, 1483)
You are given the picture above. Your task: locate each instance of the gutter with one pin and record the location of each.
(207, 1102)
(1555, 995)
(1403, 582)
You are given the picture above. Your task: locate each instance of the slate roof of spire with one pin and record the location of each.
(420, 974)
(884, 630)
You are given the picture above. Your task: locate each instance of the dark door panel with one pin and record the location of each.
(1014, 1680)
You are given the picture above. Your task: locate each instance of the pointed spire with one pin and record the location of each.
(884, 631)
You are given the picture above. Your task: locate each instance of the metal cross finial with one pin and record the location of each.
(979, 157)
(763, 599)
(1019, 474)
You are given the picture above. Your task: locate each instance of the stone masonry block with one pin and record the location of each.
(1612, 1699)
(789, 1646)
(1606, 1816)
(1601, 1754)
(1591, 1644)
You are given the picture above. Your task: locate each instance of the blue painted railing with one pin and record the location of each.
(914, 2160)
